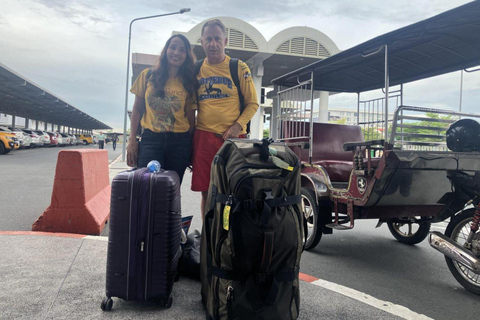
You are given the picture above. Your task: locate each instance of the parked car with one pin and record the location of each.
(8, 141)
(86, 138)
(65, 139)
(59, 139)
(19, 134)
(53, 138)
(35, 138)
(27, 140)
(44, 137)
(78, 139)
(73, 140)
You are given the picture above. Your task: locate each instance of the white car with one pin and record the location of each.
(73, 140)
(35, 138)
(60, 140)
(65, 139)
(44, 137)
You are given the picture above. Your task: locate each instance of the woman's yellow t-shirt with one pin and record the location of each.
(166, 114)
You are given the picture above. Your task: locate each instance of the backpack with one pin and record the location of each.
(253, 232)
(233, 65)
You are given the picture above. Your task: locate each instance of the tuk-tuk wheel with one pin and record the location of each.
(409, 232)
(312, 215)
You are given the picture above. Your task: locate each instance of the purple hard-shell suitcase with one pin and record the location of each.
(144, 236)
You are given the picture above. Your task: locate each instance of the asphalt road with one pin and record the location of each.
(365, 259)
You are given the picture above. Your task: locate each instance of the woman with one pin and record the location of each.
(165, 99)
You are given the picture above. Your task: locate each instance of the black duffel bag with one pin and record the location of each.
(189, 263)
(464, 136)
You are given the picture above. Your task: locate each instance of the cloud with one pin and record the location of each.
(84, 13)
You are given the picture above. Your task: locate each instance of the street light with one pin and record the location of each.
(128, 73)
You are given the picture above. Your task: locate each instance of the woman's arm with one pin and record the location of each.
(132, 147)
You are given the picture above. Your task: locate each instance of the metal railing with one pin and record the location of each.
(295, 113)
(419, 128)
(371, 115)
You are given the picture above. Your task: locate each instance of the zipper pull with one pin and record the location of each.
(141, 246)
(226, 213)
(229, 293)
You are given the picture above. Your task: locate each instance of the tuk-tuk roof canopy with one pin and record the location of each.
(444, 43)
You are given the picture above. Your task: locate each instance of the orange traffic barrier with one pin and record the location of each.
(81, 194)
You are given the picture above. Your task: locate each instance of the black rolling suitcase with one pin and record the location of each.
(144, 237)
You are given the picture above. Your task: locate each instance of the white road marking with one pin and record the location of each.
(386, 306)
(98, 238)
(114, 161)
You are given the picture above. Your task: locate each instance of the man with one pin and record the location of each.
(218, 115)
(114, 141)
(101, 140)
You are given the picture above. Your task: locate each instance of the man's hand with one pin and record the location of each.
(132, 152)
(232, 132)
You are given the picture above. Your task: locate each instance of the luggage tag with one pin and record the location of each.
(226, 214)
(226, 217)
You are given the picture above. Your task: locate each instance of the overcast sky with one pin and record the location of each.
(77, 49)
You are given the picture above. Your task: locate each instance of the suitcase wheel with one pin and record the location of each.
(107, 304)
(169, 302)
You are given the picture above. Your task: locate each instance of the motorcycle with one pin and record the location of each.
(461, 242)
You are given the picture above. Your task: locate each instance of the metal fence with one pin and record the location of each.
(295, 112)
(371, 115)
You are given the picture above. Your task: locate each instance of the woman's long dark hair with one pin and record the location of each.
(186, 72)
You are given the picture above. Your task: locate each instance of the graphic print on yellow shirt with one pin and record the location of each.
(219, 105)
(164, 109)
(214, 93)
(163, 114)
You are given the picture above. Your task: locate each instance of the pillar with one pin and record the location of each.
(256, 124)
(273, 117)
(323, 107)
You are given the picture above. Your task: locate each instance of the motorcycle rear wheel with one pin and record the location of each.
(458, 230)
(409, 232)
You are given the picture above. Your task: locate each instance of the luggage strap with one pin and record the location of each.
(276, 202)
(286, 276)
(251, 205)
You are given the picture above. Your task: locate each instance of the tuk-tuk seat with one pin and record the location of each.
(328, 152)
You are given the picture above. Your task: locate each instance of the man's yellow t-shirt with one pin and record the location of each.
(219, 105)
(166, 114)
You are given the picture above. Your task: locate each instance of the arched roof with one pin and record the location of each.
(302, 41)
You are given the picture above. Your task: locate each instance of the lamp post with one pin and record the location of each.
(128, 73)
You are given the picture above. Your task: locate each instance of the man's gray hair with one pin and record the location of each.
(214, 22)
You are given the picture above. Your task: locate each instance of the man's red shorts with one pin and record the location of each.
(205, 146)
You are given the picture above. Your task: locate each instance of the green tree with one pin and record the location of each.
(426, 131)
(266, 133)
(339, 121)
